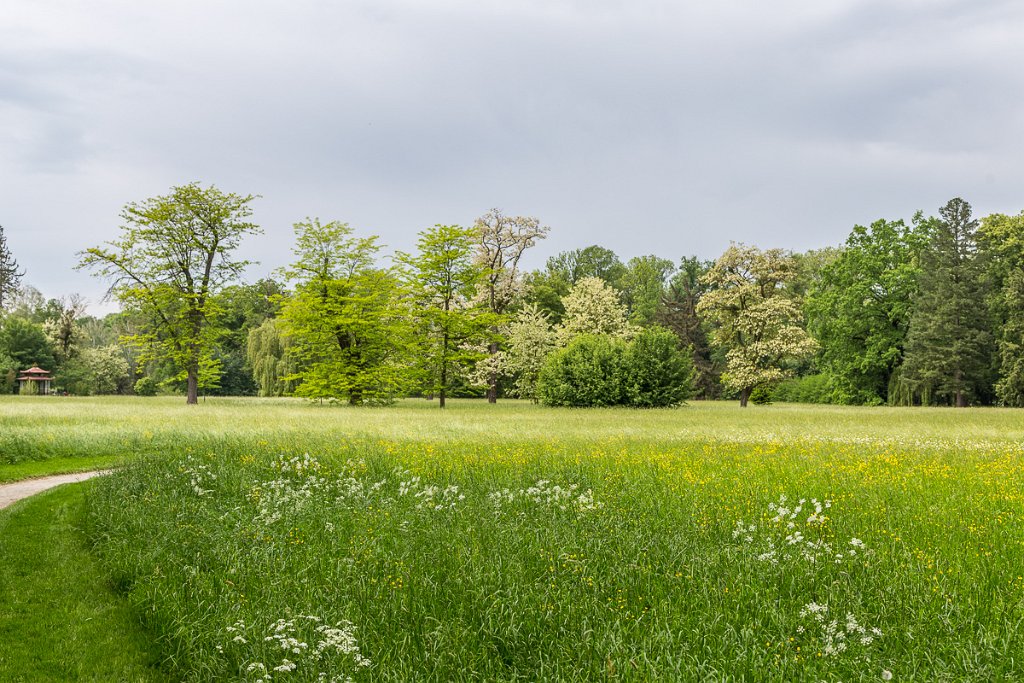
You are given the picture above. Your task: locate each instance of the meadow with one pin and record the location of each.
(279, 540)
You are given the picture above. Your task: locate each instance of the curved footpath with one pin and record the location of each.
(12, 493)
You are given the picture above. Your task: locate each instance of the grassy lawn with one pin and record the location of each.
(59, 618)
(514, 542)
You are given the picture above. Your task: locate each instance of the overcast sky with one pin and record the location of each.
(646, 126)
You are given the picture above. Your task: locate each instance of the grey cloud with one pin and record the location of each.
(650, 126)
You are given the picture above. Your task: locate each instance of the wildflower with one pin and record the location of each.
(286, 665)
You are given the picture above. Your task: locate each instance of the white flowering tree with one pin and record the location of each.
(501, 241)
(530, 339)
(757, 318)
(593, 307)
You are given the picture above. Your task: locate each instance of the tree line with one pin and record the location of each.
(924, 312)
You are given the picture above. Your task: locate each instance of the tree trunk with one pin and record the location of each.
(444, 385)
(192, 397)
(961, 399)
(492, 388)
(744, 397)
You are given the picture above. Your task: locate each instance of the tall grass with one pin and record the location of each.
(518, 543)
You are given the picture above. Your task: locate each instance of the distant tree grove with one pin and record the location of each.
(928, 311)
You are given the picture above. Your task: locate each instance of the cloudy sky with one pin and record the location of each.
(646, 126)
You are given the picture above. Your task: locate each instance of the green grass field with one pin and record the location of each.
(513, 542)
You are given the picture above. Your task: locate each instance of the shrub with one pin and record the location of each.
(587, 372)
(146, 386)
(602, 370)
(656, 373)
(761, 395)
(808, 389)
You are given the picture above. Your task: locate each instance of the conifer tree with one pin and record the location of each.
(949, 341)
(10, 276)
(678, 313)
(1002, 239)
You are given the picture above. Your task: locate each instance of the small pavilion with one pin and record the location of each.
(35, 381)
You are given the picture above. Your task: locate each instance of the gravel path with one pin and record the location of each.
(12, 493)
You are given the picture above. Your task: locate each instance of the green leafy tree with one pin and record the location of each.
(859, 309)
(530, 340)
(810, 266)
(100, 370)
(10, 276)
(758, 320)
(242, 308)
(949, 342)
(64, 331)
(268, 355)
(678, 313)
(547, 287)
(586, 373)
(173, 258)
(643, 286)
(146, 386)
(8, 372)
(347, 333)
(443, 282)
(592, 307)
(501, 242)
(656, 373)
(29, 303)
(25, 343)
(592, 261)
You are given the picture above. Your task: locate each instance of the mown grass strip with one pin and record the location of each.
(44, 468)
(59, 618)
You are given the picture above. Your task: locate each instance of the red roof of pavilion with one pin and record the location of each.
(35, 373)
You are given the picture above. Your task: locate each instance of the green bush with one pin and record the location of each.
(146, 386)
(808, 389)
(761, 395)
(601, 370)
(585, 373)
(656, 373)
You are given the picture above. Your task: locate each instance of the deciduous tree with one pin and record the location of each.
(530, 340)
(758, 321)
(501, 242)
(64, 331)
(859, 309)
(643, 285)
(443, 282)
(547, 287)
(593, 307)
(267, 353)
(346, 332)
(174, 255)
(26, 344)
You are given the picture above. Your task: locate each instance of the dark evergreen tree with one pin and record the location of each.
(1002, 240)
(10, 276)
(949, 343)
(678, 313)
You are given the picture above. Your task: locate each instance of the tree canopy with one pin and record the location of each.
(758, 319)
(174, 255)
